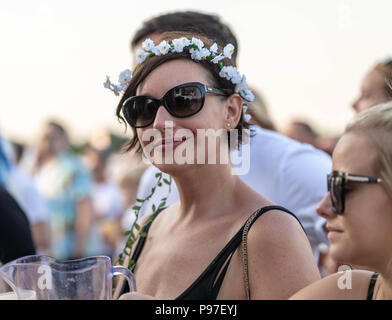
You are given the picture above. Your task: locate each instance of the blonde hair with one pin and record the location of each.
(385, 67)
(259, 111)
(376, 124)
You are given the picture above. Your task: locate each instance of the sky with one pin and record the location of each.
(306, 57)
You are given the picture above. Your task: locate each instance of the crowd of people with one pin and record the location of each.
(279, 230)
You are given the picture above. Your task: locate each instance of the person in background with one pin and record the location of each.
(65, 182)
(23, 189)
(283, 170)
(259, 112)
(107, 201)
(16, 240)
(301, 131)
(129, 182)
(15, 234)
(358, 210)
(376, 86)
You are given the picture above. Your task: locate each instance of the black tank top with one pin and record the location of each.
(207, 285)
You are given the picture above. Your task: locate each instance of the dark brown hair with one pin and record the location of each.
(187, 21)
(144, 69)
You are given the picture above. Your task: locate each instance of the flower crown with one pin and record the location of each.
(197, 51)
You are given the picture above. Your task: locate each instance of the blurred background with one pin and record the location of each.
(306, 57)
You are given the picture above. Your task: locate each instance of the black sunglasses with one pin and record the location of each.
(336, 187)
(181, 101)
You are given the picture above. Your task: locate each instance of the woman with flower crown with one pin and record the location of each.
(194, 249)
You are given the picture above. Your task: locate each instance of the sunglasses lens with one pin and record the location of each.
(184, 101)
(335, 188)
(140, 111)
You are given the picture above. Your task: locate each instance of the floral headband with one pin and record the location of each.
(197, 51)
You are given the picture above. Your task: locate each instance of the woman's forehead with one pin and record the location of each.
(354, 153)
(170, 74)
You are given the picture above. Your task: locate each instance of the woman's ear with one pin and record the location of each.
(233, 110)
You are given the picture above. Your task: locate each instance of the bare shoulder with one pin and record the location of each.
(344, 285)
(276, 225)
(280, 256)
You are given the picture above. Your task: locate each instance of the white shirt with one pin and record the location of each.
(287, 172)
(107, 200)
(22, 186)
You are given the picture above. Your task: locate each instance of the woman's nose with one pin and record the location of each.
(355, 105)
(324, 207)
(161, 118)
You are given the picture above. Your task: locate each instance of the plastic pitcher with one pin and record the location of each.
(42, 277)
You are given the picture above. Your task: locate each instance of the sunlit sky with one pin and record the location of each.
(307, 57)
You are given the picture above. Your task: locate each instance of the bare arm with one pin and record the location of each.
(280, 257)
(83, 223)
(41, 236)
(346, 285)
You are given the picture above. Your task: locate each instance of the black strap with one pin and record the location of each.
(372, 283)
(210, 273)
(268, 208)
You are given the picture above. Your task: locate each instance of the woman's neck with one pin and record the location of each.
(203, 189)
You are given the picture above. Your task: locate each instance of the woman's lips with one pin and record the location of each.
(169, 144)
(333, 232)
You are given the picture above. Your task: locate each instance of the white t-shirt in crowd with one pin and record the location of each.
(287, 172)
(22, 186)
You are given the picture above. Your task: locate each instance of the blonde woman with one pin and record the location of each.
(358, 210)
(376, 86)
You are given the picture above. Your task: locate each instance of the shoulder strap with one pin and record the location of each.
(372, 284)
(245, 231)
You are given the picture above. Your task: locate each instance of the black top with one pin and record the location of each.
(207, 285)
(372, 283)
(15, 235)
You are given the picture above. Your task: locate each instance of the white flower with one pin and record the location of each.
(204, 53)
(141, 55)
(228, 50)
(247, 95)
(242, 85)
(117, 89)
(198, 43)
(227, 72)
(244, 108)
(178, 45)
(156, 51)
(195, 54)
(107, 83)
(164, 47)
(185, 41)
(125, 77)
(214, 48)
(217, 59)
(247, 117)
(236, 78)
(148, 45)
